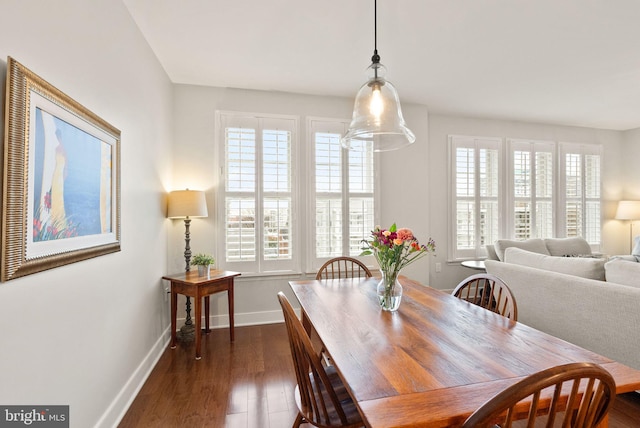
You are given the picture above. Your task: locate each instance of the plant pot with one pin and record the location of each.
(203, 270)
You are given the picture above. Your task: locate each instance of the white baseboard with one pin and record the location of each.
(244, 319)
(241, 320)
(119, 406)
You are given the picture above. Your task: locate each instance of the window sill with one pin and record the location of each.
(271, 275)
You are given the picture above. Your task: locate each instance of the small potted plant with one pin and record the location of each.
(204, 262)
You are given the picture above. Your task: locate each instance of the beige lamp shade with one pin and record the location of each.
(628, 210)
(186, 203)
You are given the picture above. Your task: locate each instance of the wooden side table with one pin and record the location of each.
(192, 285)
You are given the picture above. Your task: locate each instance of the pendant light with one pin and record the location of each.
(377, 115)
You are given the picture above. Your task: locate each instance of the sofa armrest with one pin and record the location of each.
(625, 257)
(491, 252)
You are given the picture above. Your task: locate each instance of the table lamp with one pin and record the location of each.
(187, 204)
(629, 210)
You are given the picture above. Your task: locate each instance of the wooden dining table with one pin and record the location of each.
(434, 361)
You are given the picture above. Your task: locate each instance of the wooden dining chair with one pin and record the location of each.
(343, 267)
(576, 395)
(320, 395)
(336, 268)
(490, 292)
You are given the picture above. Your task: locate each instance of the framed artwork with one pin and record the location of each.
(61, 179)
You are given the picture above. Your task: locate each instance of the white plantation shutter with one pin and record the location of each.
(240, 145)
(240, 229)
(328, 227)
(465, 198)
(475, 163)
(277, 194)
(531, 201)
(328, 191)
(343, 192)
(592, 205)
(580, 176)
(361, 222)
(361, 174)
(544, 193)
(258, 192)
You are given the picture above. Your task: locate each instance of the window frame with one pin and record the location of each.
(506, 197)
(477, 143)
(533, 147)
(582, 150)
(259, 122)
(338, 126)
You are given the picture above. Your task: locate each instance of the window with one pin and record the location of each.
(531, 202)
(580, 175)
(553, 190)
(262, 195)
(342, 192)
(258, 192)
(476, 189)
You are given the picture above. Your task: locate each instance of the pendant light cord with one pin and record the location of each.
(375, 58)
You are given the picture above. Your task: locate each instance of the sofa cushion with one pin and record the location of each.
(577, 266)
(535, 245)
(623, 272)
(575, 246)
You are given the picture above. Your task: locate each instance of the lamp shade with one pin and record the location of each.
(186, 203)
(377, 116)
(628, 210)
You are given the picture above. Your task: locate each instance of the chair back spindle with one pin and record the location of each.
(489, 292)
(343, 267)
(576, 395)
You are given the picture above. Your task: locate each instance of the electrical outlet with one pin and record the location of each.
(438, 267)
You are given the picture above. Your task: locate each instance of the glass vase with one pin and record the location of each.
(389, 292)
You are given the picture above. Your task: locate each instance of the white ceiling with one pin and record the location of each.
(572, 62)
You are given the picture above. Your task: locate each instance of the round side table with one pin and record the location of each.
(474, 264)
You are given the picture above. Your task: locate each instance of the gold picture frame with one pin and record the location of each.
(61, 178)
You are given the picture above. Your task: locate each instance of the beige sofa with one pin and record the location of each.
(575, 246)
(602, 316)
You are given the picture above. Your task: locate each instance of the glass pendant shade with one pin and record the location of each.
(377, 116)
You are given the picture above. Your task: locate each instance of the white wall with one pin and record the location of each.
(614, 234)
(85, 334)
(630, 161)
(630, 157)
(404, 181)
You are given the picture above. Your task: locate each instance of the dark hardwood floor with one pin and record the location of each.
(248, 384)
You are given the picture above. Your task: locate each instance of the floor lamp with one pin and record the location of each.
(187, 204)
(629, 210)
